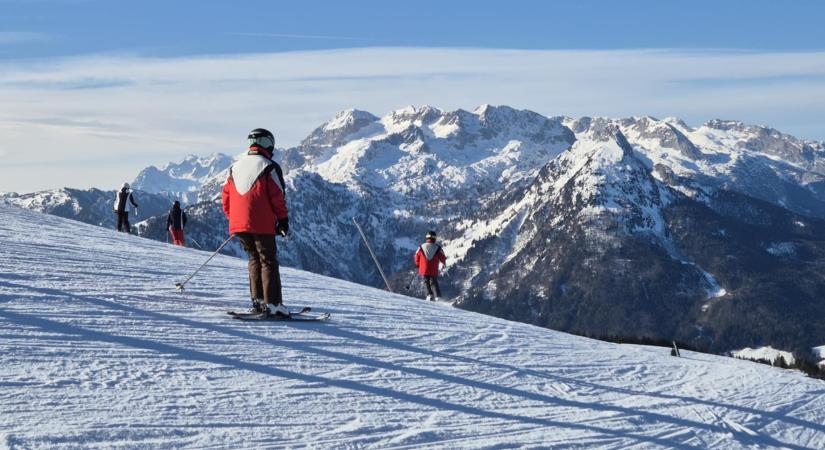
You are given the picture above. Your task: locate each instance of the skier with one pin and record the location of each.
(124, 202)
(254, 202)
(427, 258)
(175, 223)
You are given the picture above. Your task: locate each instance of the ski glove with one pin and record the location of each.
(283, 227)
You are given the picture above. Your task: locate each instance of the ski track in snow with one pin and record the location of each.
(98, 350)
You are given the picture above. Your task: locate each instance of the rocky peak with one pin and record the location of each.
(419, 116)
(344, 124)
(349, 118)
(769, 141)
(668, 136)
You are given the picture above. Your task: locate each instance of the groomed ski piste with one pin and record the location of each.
(98, 350)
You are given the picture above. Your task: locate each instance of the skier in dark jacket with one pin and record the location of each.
(427, 258)
(175, 223)
(254, 202)
(124, 202)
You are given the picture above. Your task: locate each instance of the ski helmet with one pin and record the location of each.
(430, 235)
(124, 187)
(262, 138)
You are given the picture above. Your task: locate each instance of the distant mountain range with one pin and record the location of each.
(634, 227)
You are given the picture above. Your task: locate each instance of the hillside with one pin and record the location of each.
(97, 350)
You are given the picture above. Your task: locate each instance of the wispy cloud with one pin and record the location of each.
(21, 37)
(69, 84)
(161, 109)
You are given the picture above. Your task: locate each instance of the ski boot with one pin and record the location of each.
(429, 298)
(256, 307)
(275, 310)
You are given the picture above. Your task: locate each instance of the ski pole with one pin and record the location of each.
(181, 285)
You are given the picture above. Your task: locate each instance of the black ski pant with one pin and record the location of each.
(123, 221)
(432, 284)
(264, 272)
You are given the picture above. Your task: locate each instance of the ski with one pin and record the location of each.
(303, 310)
(299, 317)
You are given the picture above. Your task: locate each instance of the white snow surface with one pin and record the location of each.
(98, 350)
(781, 248)
(819, 352)
(769, 353)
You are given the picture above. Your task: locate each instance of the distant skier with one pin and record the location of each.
(175, 223)
(427, 258)
(124, 202)
(255, 203)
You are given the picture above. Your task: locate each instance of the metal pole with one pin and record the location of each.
(181, 285)
(676, 350)
(196, 242)
(411, 280)
(374, 258)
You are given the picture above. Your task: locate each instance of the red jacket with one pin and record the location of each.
(427, 257)
(253, 195)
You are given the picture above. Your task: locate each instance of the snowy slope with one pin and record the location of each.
(98, 351)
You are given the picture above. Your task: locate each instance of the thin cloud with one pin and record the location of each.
(175, 106)
(69, 84)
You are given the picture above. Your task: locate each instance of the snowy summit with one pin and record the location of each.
(99, 351)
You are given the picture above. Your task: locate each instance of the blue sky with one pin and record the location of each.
(174, 28)
(108, 88)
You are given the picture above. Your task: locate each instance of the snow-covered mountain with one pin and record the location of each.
(182, 180)
(600, 223)
(100, 351)
(757, 161)
(709, 235)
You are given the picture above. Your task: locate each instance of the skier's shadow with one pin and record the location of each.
(436, 403)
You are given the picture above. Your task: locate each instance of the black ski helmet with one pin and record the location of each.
(430, 235)
(262, 138)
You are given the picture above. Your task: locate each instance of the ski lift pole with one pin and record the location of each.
(196, 242)
(181, 285)
(374, 258)
(412, 278)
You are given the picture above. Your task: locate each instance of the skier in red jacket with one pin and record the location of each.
(254, 202)
(427, 258)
